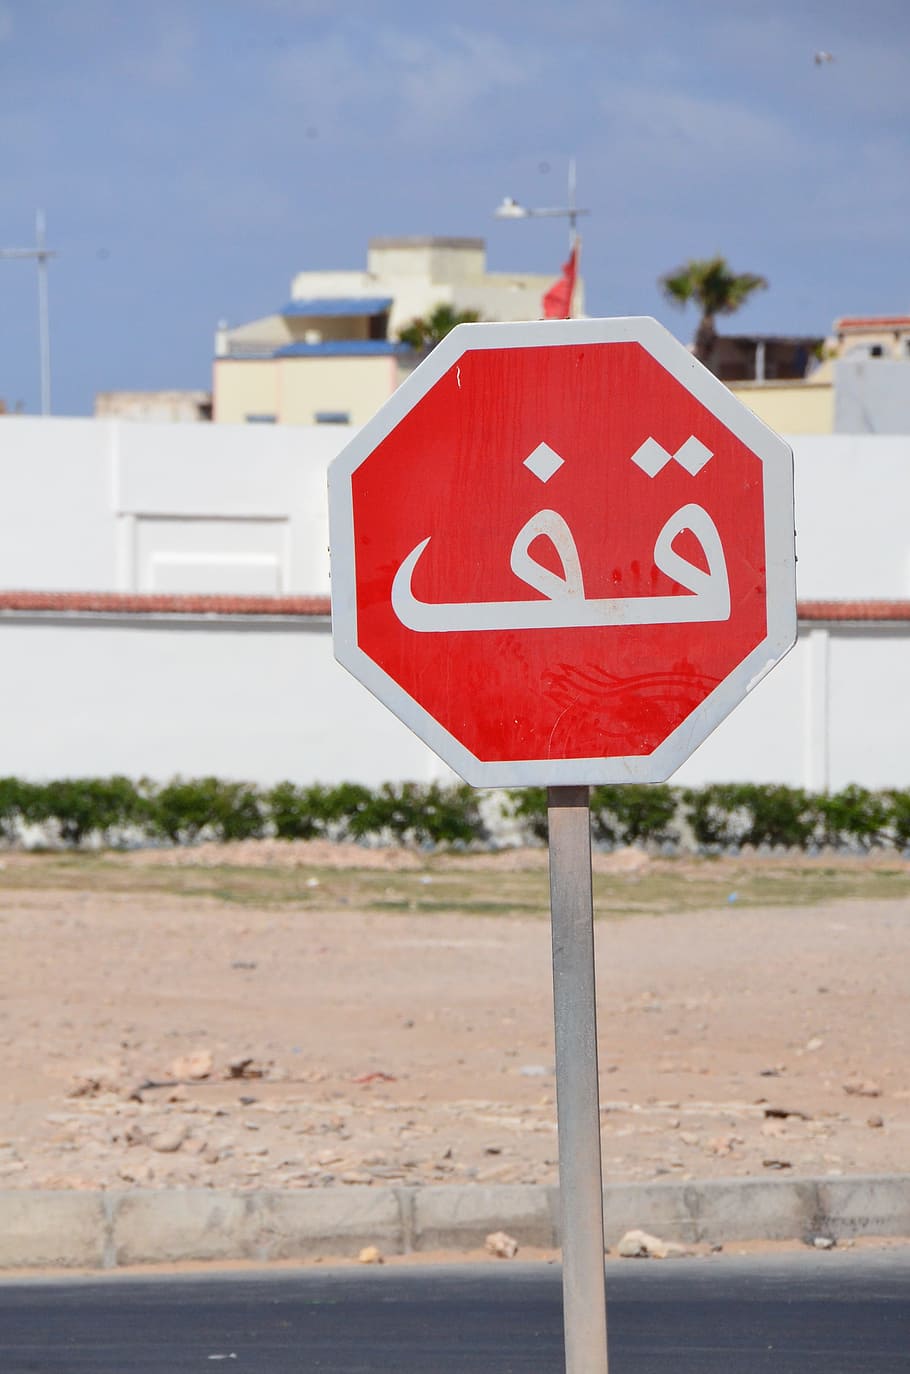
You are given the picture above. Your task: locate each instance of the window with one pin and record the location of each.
(260, 419)
(332, 417)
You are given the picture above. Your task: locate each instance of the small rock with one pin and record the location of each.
(865, 1088)
(814, 1044)
(197, 1065)
(103, 1078)
(641, 1245)
(724, 1144)
(137, 1173)
(168, 1142)
(534, 1071)
(824, 1243)
(502, 1245)
(371, 1254)
(689, 1138)
(875, 1120)
(244, 1066)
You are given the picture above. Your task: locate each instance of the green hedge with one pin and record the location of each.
(725, 816)
(116, 811)
(185, 811)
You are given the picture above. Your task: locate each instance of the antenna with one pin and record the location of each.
(41, 253)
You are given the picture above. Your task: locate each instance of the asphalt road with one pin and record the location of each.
(841, 1313)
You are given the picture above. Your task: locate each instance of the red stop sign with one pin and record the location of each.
(562, 552)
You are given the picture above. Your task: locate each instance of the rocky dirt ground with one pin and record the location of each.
(304, 1016)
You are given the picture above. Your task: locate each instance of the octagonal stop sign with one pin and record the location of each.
(562, 552)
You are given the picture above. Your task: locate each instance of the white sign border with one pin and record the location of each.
(780, 555)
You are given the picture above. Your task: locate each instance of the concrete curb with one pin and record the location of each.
(104, 1230)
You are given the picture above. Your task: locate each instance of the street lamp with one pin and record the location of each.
(512, 209)
(40, 253)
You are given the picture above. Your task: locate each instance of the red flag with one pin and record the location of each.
(557, 302)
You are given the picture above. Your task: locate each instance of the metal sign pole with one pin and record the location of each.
(577, 1093)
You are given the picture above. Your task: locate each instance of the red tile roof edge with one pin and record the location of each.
(872, 322)
(854, 610)
(157, 603)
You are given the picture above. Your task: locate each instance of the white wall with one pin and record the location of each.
(108, 505)
(85, 505)
(153, 698)
(852, 525)
(832, 713)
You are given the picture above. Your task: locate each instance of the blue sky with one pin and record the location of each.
(192, 155)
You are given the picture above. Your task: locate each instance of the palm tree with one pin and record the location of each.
(425, 332)
(715, 288)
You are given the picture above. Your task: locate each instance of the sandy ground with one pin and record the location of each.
(166, 1040)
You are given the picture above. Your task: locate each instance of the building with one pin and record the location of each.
(870, 336)
(172, 406)
(857, 381)
(764, 357)
(331, 355)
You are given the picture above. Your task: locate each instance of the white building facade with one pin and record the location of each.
(331, 355)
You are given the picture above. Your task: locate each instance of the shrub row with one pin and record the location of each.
(723, 816)
(713, 818)
(116, 810)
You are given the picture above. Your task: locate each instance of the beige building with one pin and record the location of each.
(858, 385)
(790, 407)
(331, 355)
(871, 336)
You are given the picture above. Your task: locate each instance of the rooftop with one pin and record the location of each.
(427, 241)
(848, 322)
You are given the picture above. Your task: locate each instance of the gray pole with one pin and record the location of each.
(577, 1094)
(44, 336)
(573, 209)
(41, 253)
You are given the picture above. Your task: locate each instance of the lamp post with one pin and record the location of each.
(41, 253)
(513, 209)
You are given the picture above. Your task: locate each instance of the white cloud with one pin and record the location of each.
(444, 81)
(167, 58)
(704, 134)
(400, 84)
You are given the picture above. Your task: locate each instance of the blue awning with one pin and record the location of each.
(338, 305)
